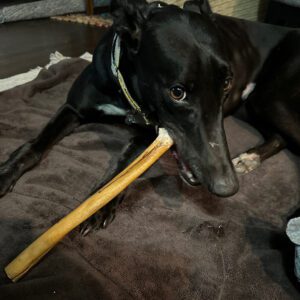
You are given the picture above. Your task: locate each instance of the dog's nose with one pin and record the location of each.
(225, 186)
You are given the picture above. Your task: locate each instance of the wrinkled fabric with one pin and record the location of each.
(168, 241)
(293, 232)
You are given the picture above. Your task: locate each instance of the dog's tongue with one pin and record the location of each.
(184, 170)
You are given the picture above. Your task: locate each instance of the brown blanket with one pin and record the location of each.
(168, 241)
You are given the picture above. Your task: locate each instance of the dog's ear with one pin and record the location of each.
(129, 17)
(199, 6)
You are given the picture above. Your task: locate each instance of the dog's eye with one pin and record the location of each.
(177, 93)
(227, 84)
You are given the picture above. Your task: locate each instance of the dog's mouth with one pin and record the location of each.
(185, 171)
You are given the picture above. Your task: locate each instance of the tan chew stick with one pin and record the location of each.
(41, 246)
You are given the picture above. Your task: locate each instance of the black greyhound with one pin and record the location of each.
(181, 69)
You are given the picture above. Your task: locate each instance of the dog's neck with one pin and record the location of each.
(248, 43)
(128, 85)
(115, 67)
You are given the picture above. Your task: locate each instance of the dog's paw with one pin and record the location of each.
(99, 220)
(246, 162)
(102, 218)
(7, 180)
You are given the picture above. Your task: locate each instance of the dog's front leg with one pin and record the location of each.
(30, 153)
(250, 160)
(107, 214)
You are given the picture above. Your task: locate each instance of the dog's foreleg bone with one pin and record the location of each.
(41, 246)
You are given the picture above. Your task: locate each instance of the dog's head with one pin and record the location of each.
(184, 76)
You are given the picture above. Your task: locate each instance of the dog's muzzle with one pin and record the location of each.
(223, 186)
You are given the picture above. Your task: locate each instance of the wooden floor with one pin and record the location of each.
(25, 45)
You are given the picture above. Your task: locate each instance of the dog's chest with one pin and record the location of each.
(111, 110)
(248, 90)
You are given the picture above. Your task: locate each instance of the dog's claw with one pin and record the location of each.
(85, 230)
(100, 220)
(11, 188)
(108, 220)
(246, 162)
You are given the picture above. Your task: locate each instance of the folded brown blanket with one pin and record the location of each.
(168, 241)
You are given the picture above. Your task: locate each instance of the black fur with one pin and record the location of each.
(168, 52)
